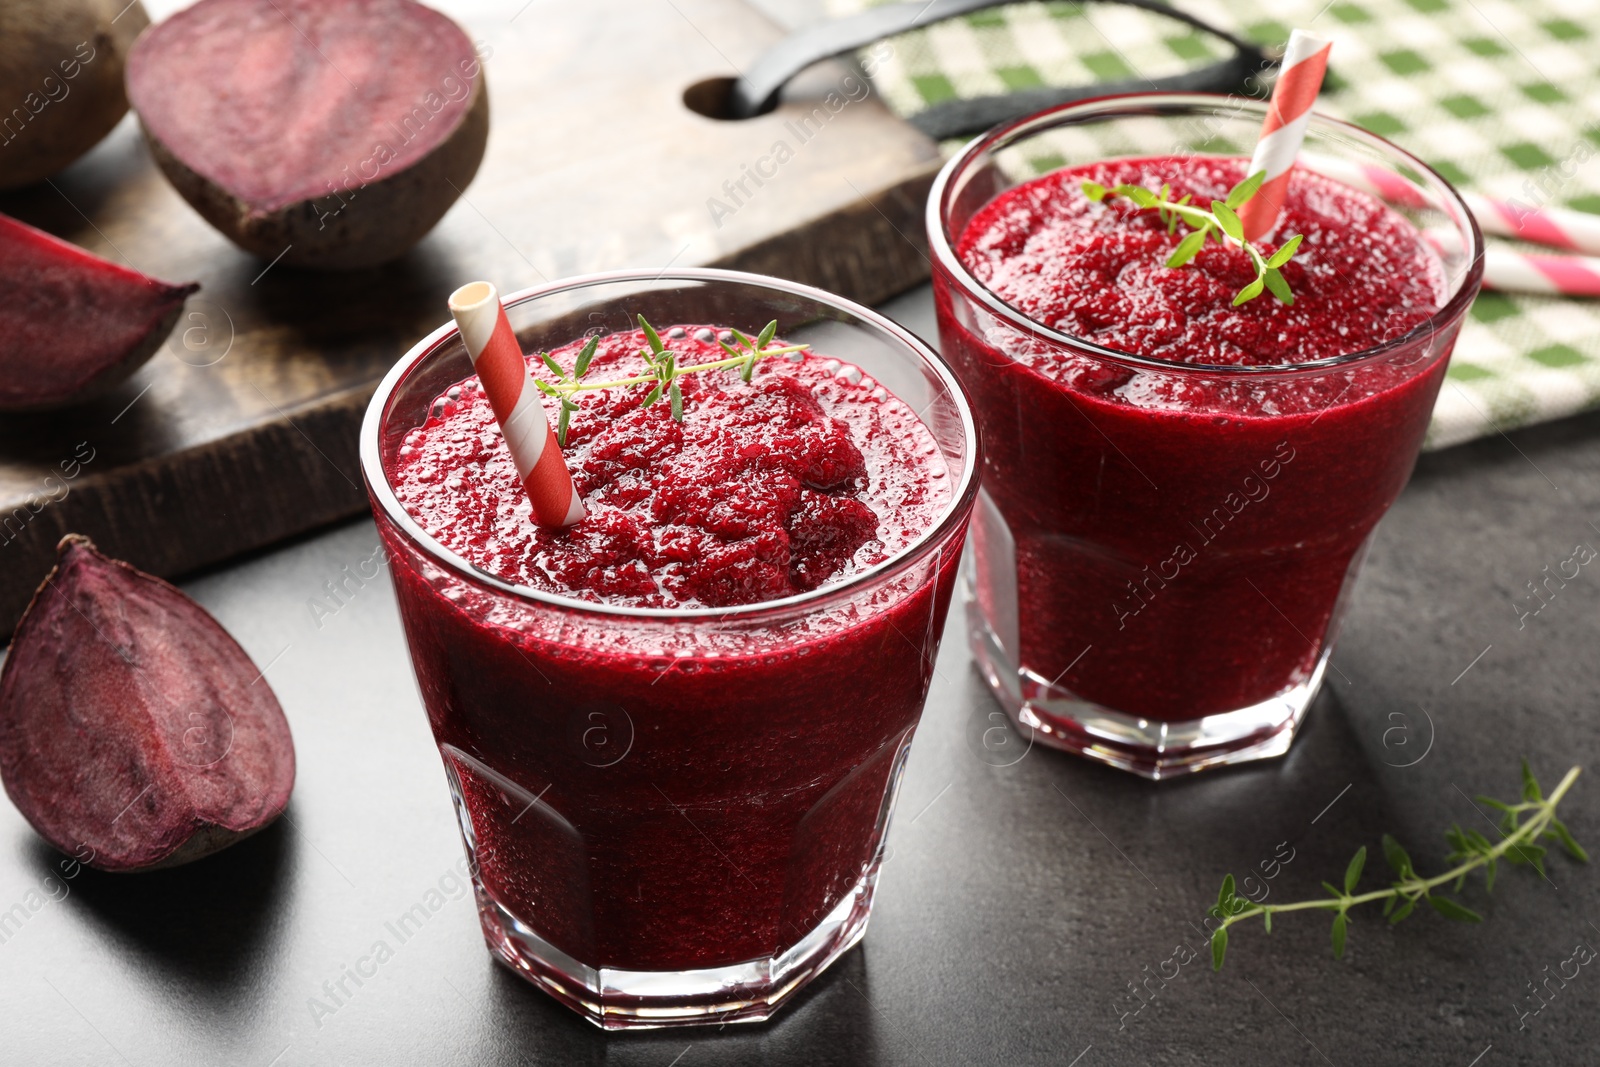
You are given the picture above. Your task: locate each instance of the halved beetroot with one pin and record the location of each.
(73, 325)
(132, 727)
(333, 133)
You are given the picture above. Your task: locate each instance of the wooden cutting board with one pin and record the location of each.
(242, 431)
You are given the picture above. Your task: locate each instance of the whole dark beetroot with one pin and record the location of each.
(327, 134)
(61, 65)
(132, 724)
(73, 325)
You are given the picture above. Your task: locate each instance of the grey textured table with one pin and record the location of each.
(1018, 904)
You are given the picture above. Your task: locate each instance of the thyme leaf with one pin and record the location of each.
(1522, 826)
(661, 370)
(1220, 222)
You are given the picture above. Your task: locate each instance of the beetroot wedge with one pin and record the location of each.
(332, 133)
(133, 729)
(73, 325)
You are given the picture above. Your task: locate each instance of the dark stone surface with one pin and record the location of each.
(1018, 903)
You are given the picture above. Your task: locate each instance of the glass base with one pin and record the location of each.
(617, 999)
(1058, 718)
(639, 1000)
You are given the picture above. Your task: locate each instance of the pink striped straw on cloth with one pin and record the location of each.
(497, 357)
(1305, 61)
(1521, 272)
(1554, 227)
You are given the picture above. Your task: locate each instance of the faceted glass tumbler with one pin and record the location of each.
(1162, 551)
(675, 816)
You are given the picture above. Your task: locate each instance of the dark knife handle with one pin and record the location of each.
(756, 91)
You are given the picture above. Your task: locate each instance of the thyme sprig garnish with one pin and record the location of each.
(1221, 222)
(1469, 851)
(661, 367)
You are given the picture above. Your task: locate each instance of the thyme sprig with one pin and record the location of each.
(1469, 851)
(1221, 222)
(661, 367)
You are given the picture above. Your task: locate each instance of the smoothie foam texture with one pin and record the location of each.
(810, 473)
(1098, 271)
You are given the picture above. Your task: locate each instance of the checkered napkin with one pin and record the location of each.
(1500, 96)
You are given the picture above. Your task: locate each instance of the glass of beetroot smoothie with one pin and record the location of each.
(674, 732)
(1178, 492)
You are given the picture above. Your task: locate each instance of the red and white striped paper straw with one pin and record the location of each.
(1305, 61)
(498, 359)
(1509, 271)
(1520, 272)
(1554, 227)
(1504, 270)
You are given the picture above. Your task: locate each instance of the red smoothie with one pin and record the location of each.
(636, 796)
(809, 474)
(1182, 530)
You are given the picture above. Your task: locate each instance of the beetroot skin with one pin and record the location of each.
(334, 133)
(73, 325)
(61, 66)
(132, 725)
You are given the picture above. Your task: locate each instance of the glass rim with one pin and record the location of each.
(963, 492)
(940, 242)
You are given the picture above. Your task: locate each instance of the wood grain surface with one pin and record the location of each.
(242, 430)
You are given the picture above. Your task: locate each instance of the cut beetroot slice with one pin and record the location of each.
(73, 325)
(134, 732)
(334, 133)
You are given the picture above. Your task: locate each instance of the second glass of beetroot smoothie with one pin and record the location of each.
(674, 732)
(1178, 493)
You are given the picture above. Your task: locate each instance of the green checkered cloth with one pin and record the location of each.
(1497, 95)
